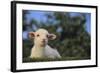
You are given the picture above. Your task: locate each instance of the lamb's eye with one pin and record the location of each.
(38, 35)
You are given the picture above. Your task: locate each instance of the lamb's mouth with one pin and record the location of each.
(43, 43)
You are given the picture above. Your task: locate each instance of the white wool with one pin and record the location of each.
(44, 52)
(51, 53)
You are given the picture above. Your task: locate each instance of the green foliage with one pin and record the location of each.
(73, 41)
(25, 60)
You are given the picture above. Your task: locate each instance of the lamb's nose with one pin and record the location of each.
(44, 40)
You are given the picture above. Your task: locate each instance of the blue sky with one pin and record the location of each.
(39, 16)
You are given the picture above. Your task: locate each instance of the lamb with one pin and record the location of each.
(41, 49)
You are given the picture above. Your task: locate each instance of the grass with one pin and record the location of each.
(26, 60)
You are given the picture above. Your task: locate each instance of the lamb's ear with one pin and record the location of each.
(31, 35)
(52, 36)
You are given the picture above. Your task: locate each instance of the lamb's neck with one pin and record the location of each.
(39, 47)
(37, 51)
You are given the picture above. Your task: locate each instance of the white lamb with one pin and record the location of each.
(41, 49)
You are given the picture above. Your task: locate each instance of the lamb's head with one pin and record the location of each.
(41, 37)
